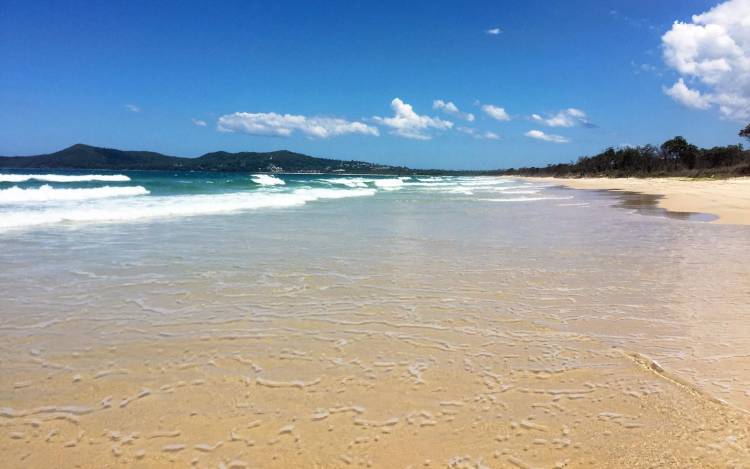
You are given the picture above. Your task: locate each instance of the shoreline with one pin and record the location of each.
(727, 199)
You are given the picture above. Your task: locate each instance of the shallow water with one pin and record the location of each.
(387, 322)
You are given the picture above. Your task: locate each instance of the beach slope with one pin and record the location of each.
(728, 199)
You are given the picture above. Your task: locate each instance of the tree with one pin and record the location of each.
(745, 132)
(679, 149)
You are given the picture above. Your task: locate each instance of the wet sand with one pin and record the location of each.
(728, 199)
(363, 390)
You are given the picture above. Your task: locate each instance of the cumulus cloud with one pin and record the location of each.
(494, 31)
(566, 118)
(132, 108)
(539, 135)
(712, 54)
(284, 125)
(687, 97)
(449, 108)
(407, 123)
(199, 122)
(495, 112)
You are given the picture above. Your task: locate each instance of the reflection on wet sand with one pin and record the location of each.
(648, 204)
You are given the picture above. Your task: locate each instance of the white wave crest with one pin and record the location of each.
(267, 180)
(63, 178)
(390, 184)
(349, 182)
(156, 207)
(48, 193)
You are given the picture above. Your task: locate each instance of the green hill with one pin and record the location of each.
(82, 156)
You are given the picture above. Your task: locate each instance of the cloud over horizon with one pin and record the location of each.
(449, 108)
(539, 135)
(712, 56)
(495, 112)
(408, 124)
(487, 135)
(284, 125)
(566, 118)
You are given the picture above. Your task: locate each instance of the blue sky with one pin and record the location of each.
(139, 75)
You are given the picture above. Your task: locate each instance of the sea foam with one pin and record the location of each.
(390, 184)
(267, 180)
(48, 193)
(63, 178)
(155, 207)
(349, 182)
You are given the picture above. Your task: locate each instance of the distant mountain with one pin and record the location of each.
(82, 156)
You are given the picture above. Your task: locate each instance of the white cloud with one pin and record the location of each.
(539, 135)
(450, 108)
(407, 123)
(284, 125)
(199, 122)
(496, 112)
(494, 31)
(684, 95)
(712, 52)
(566, 118)
(132, 108)
(479, 136)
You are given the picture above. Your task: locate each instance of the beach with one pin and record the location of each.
(348, 321)
(728, 199)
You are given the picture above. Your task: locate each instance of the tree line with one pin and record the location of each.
(675, 157)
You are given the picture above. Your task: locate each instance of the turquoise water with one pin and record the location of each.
(43, 198)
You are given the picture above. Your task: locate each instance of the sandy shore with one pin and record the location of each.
(729, 199)
(407, 331)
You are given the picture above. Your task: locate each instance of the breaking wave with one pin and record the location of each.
(267, 180)
(47, 193)
(63, 178)
(390, 184)
(153, 207)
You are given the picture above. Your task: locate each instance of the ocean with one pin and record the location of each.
(68, 198)
(291, 319)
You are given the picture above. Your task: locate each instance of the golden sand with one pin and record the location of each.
(729, 199)
(361, 390)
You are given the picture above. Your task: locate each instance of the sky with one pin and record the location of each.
(425, 84)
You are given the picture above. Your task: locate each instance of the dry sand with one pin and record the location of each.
(729, 199)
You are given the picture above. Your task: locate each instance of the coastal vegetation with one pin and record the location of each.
(675, 157)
